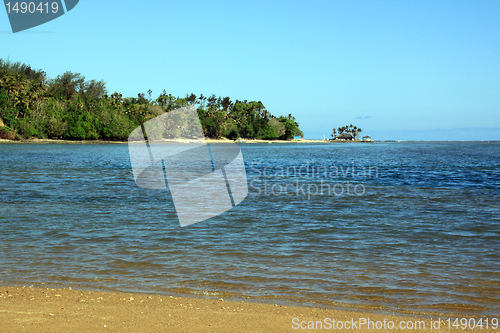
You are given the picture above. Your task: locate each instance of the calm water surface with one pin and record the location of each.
(389, 226)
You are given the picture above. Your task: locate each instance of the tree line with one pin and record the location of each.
(353, 130)
(73, 108)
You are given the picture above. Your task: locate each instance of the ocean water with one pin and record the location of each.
(386, 226)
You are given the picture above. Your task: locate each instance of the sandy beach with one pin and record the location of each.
(35, 309)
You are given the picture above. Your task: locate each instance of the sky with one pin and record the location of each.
(400, 70)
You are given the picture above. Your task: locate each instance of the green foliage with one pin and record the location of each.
(269, 134)
(6, 133)
(7, 112)
(66, 86)
(8, 66)
(73, 108)
(353, 130)
(291, 128)
(277, 126)
(232, 132)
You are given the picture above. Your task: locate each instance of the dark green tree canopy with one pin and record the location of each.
(71, 107)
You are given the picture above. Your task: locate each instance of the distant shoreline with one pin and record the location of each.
(96, 142)
(53, 141)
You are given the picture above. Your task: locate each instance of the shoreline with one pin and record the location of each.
(54, 141)
(37, 309)
(455, 310)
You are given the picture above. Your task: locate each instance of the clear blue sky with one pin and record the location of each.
(398, 69)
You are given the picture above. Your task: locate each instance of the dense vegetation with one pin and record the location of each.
(70, 107)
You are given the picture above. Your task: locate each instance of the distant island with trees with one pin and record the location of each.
(348, 132)
(70, 107)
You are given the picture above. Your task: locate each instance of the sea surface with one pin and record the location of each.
(402, 227)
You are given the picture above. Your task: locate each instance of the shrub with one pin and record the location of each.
(269, 133)
(6, 133)
(277, 126)
(232, 132)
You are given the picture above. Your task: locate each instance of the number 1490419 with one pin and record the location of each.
(464, 323)
(31, 7)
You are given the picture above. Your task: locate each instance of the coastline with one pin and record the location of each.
(37, 309)
(53, 141)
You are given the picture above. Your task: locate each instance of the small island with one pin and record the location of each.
(348, 133)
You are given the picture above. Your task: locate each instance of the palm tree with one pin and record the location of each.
(354, 131)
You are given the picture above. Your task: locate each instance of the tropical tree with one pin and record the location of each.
(191, 99)
(71, 107)
(67, 86)
(359, 130)
(291, 128)
(353, 130)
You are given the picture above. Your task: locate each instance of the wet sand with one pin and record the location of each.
(29, 309)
